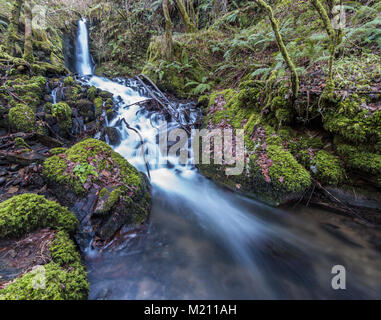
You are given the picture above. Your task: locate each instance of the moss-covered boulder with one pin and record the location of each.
(354, 122)
(29, 90)
(90, 176)
(63, 277)
(362, 162)
(62, 112)
(271, 174)
(324, 166)
(27, 212)
(22, 118)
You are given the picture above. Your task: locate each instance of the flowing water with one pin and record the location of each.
(204, 242)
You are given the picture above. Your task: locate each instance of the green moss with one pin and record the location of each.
(29, 90)
(361, 161)
(324, 166)
(64, 277)
(98, 106)
(62, 112)
(102, 158)
(355, 124)
(20, 143)
(22, 118)
(287, 176)
(56, 151)
(92, 92)
(113, 199)
(68, 81)
(27, 212)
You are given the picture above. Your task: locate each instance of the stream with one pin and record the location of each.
(205, 242)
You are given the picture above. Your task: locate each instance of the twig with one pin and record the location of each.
(142, 144)
(152, 94)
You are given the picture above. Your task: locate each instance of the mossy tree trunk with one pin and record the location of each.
(334, 35)
(189, 25)
(282, 47)
(28, 42)
(168, 43)
(13, 27)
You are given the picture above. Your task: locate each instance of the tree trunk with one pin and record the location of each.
(189, 25)
(168, 43)
(216, 9)
(335, 38)
(28, 42)
(282, 48)
(13, 27)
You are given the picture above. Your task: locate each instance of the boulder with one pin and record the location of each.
(101, 187)
(113, 135)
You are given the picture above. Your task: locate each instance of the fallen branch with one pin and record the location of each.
(153, 95)
(142, 144)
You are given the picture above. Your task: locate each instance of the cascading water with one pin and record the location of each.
(83, 60)
(205, 242)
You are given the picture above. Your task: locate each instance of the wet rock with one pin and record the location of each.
(111, 115)
(106, 94)
(104, 197)
(86, 109)
(113, 136)
(48, 98)
(2, 180)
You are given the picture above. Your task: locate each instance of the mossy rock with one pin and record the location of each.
(367, 164)
(22, 118)
(30, 90)
(98, 106)
(86, 109)
(271, 174)
(27, 212)
(324, 166)
(63, 278)
(68, 81)
(354, 123)
(62, 112)
(92, 93)
(91, 164)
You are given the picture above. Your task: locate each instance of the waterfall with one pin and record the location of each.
(83, 60)
(204, 241)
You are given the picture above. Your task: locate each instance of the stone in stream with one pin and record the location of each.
(101, 187)
(113, 135)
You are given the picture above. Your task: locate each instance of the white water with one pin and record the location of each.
(203, 241)
(82, 50)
